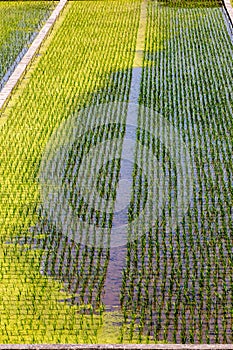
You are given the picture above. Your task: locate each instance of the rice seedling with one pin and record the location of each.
(103, 231)
(19, 24)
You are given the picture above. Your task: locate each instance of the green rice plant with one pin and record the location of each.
(170, 280)
(189, 87)
(57, 85)
(20, 22)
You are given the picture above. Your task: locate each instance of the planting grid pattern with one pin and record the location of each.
(58, 85)
(65, 277)
(181, 286)
(19, 23)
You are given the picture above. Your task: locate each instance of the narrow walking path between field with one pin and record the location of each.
(23, 64)
(229, 8)
(113, 278)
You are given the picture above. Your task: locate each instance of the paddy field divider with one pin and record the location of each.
(29, 55)
(227, 5)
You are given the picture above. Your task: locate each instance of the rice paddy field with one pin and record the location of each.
(20, 21)
(116, 174)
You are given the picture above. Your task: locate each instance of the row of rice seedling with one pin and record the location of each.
(85, 62)
(19, 23)
(177, 283)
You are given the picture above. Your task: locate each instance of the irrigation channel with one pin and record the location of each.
(127, 197)
(18, 67)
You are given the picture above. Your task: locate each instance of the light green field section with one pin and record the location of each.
(90, 41)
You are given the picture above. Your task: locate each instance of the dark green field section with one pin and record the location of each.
(116, 181)
(181, 286)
